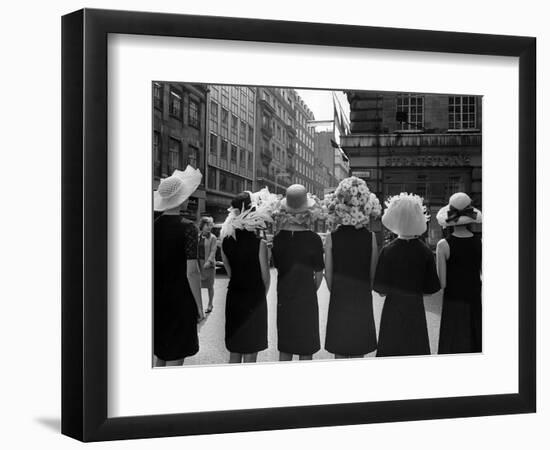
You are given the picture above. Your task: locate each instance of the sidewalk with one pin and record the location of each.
(211, 334)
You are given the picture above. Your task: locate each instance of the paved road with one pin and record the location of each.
(211, 334)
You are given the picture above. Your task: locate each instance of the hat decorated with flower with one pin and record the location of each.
(459, 211)
(254, 214)
(406, 215)
(352, 203)
(298, 207)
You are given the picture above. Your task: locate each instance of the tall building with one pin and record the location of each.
(304, 161)
(179, 133)
(427, 144)
(331, 157)
(231, 146)
(276, 139)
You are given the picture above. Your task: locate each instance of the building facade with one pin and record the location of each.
(179, 134)
(276, 139)
(332, 159)
(230, 147)
(305, 160)
(426, 144)
(341, 165)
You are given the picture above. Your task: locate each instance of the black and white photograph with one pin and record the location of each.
(306, 224)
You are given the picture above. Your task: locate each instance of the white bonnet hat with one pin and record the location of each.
(405, 215)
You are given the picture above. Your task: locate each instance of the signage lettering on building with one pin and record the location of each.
(361, 173)
(429, 161)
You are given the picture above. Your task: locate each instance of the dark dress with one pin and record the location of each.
(405, 271)
(175, 310)
(461, 315)
(350, 324)
(297, 255)
(246, 306)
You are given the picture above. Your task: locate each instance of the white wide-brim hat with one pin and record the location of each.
(177, 188)
(405, 215)
(297, 199)
(459, 211)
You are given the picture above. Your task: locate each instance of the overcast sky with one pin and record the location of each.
(320, 102)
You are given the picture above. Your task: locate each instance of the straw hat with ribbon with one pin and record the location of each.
(177, 188)
(459, 211)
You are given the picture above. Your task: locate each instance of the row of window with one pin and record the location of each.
(234, 152)
(237, 99)
(223, 181)
(307, 155)
(176, 159)
(175, 104)
(305, 170)
(240, 131)
(281, 110)
(410, 112)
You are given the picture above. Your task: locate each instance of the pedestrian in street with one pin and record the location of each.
(459, 268)
(246, 261)
(298, 257)
(351, 254)
(406, 271)
(208, 245)
(177, 291)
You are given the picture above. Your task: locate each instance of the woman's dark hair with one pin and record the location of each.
(241, 200)
(205, 220)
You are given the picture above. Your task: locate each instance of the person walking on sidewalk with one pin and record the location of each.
(207, 258)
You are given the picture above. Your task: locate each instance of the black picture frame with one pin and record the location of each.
(84, 224)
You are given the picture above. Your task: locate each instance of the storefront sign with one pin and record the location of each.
(429, 161)
(362, 173)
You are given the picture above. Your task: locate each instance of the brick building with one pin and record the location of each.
(179, 134)
(428, 144)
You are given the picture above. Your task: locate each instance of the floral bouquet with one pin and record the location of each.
(255, 217)
(284, 217)
(351, 204)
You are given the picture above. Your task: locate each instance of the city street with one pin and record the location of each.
(211, 333)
